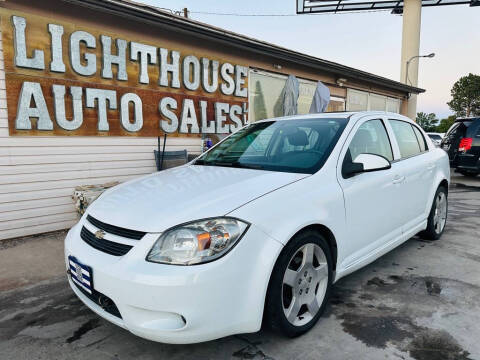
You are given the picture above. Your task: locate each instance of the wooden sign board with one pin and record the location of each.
(65, 79)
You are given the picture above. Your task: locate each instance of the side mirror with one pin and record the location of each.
(365, 163)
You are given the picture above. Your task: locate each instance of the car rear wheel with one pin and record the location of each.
(300, 285)
(437, 218)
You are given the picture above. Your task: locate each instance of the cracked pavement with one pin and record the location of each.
(420, 301)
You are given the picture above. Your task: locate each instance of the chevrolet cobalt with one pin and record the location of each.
(259, 227)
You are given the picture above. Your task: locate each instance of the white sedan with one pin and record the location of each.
(259, 227)
(436, 138)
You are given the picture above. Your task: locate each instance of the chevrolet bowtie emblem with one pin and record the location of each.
(100, 234)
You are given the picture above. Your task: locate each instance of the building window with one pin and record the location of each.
(378, 102)
(307, 91)
(264, 95)
(265, 89)
(265, 102)
(393, 105)
(336, 104)
(357, 100)
(305, 97)
(361, 100)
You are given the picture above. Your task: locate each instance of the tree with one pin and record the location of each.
(427, 121)
(445, 124)
(466, 96)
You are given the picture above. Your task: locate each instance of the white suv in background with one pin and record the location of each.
(262, 224)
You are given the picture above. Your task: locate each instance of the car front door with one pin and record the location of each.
(371, 198)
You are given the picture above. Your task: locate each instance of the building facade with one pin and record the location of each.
(87, 87)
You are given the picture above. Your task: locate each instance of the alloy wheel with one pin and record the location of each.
(304, 285)
(440, 216)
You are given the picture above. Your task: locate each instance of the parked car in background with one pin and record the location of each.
(436, 138)
(259, 227)
(462, 143)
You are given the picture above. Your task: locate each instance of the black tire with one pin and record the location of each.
(431, 232)
(275, 317)
(467, 173)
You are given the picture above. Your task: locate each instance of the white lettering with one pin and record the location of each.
(102, 97)
(189, 117)
(125, 101)
(147, 55)
(220, 118)
(19, 42)
(172, 67)
(109, 59)
(164, 106)
(75, 58)
(31, 90)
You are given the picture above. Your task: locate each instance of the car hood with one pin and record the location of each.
(156, 202)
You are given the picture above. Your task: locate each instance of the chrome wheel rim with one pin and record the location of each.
(304, 284)
(440, 216)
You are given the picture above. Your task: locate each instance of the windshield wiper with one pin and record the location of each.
(211, 163)
(235, 164)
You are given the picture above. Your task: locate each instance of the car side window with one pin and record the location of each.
(406, 138)
(420, 138)
(371, 138)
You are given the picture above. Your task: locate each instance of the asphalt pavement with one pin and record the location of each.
(420, 301)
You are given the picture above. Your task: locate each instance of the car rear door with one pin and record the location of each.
(416, 167)
(452, 139)
(371, 198)
(469, 148)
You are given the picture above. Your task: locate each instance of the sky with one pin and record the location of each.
(366, 41)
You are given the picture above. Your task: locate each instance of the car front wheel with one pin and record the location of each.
(300, 284)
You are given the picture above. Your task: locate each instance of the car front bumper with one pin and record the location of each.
(180, 304)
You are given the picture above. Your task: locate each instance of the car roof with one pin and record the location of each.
(339, 115)
(467, 119)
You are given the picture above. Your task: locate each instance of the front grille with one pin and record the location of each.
(115, 230)
(101, 300)
(109, 247)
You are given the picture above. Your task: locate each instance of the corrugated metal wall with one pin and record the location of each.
(38, 174)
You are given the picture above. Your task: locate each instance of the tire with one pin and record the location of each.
(306, 282)
(436, 225)
(467, 173)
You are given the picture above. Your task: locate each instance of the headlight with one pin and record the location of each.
(197, 242)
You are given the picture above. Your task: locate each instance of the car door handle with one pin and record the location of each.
(398, 179)
(431, 166)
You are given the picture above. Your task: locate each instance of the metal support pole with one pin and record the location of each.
(412, 15)
(163, 152)
(158, 151)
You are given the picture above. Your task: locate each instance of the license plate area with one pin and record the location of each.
(81, 274)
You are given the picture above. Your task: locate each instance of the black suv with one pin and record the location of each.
(462, 143)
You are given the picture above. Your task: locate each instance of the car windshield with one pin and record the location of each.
(298, 146)
(435, 137)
